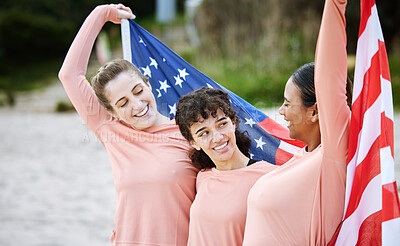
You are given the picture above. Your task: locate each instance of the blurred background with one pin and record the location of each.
(55, 181)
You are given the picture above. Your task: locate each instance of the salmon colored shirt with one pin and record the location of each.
(153, 176)
(302, 202)
(218, 213)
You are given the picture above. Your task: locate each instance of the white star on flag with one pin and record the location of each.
(178, 81)
(164, 86)
(260, 143)
(153, 63)
(183, 73)
(251, 155)
(146, 71)
(172, 109)
(249, 122)
(141, 41)
(159, 93)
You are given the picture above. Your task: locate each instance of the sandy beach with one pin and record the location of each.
(56, 187)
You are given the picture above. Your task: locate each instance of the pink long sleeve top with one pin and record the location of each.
(218, 213)
(153, 176)
(302, 202)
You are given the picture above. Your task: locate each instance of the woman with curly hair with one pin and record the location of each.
(217, 216)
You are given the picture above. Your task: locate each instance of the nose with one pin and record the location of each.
(281, 110)
(217, 136)
(137, 104)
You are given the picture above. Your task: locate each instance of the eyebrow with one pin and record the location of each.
(220, 119)
(286, 99)
(124, 97)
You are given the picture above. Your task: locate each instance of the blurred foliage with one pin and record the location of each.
(34, 33)
(249, 46)
(253, 46)
(394, 64)
(62, 106)
(244, 24)
(36, 30)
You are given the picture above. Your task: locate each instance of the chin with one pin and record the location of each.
(143, 125)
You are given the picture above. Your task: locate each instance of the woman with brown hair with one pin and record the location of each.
(302, 201)
(153, 176)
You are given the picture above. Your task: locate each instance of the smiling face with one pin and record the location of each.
(132, 101)
(215, 136)
(301, 120)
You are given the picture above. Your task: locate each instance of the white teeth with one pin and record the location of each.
(221, 146)
(143, 112)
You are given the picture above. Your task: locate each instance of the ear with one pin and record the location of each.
(314, 113)
(195, 145)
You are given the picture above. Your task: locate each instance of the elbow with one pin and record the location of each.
(63, 75)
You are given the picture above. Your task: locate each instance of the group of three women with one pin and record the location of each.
(192, 181)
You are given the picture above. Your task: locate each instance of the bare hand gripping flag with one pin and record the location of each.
(372, 212)
(172, 77)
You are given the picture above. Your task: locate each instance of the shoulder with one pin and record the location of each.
(264, 165)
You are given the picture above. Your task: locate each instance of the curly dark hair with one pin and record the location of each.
(203, 103)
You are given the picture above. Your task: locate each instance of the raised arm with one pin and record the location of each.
(331, 78)
(73, 70)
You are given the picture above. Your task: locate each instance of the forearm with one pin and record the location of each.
(73, 70)
(330, 77)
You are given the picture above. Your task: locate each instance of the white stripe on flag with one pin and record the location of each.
(126, 40)
(351, 169)
(387, 166)
(390, 232)
(370, 130)
(387, 100)
(367, 46)
(288, 147)
(368, 205)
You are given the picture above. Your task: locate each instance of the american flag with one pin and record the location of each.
(372, 210)
(172, 77)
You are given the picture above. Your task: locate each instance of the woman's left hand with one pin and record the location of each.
(123, 11)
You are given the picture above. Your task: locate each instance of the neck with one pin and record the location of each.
(314, 141)
(161, 119)
(237, 161)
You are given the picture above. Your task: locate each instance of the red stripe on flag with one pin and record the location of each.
(278, 131)
(387, 139)
(364, 173)
(281, 157)
(333, 240)
(369, 93)
(384, 65)
(390, 202)
(370, 232)
(365, 14)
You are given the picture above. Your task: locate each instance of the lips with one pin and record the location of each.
(221, 146)
(143, 112)
(287, 123)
